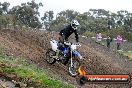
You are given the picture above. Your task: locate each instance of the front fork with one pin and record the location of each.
(71, 59)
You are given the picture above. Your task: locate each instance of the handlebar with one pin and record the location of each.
(70, 43)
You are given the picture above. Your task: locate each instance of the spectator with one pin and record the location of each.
(119, 41)
(108, 40)
(99, 37)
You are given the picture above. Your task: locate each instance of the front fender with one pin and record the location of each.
(76, 53)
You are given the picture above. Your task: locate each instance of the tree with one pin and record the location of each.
(62, 18)
(58, 24)
(47, 19)
(27, 14)
(3, 21)
(4, 8)
(69, 15)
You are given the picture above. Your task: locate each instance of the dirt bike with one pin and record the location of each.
(69, 56)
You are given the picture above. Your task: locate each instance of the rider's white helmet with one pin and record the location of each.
(74, 24)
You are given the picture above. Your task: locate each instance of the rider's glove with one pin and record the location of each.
(78, 44)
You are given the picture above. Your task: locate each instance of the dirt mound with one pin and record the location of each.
(33, 45)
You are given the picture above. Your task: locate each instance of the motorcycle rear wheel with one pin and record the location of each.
(49, 56)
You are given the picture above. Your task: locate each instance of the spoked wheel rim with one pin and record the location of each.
(73, 71)
(49, 57)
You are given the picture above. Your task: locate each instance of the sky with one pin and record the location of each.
(77, 5)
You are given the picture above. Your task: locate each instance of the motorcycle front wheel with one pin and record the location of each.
(73, 70)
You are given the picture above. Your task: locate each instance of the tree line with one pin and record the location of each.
(94, 20)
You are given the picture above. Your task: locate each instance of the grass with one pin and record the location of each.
(126, 53)
(101, 43)
(24, 70)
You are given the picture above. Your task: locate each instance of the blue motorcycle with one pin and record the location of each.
(69, 56)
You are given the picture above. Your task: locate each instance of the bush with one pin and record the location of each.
(3, 20)
(104, 35)
(114, 32)
(89, 34)
(127, 35)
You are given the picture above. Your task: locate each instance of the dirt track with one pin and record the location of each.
(33, 45)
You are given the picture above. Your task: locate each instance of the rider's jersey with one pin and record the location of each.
(67, 31)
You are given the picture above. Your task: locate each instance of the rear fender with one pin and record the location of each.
(54, 45)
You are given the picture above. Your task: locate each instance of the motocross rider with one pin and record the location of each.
(66, 32)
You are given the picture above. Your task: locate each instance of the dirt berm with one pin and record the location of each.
(32, 45)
